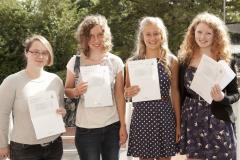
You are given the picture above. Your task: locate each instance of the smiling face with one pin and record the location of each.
(204, 36)
(152, 36)
(37, 55)
(96, 39)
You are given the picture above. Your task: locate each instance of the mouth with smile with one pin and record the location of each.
(203, 41)
(153, 43)
(96, 45)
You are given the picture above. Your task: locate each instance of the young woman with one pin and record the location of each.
(100, 130)
(14, 93)
(207, 130)
(155, 125)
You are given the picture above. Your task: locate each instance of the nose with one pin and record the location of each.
(152, 37)
(95, 38)
(40, 55)
(203, 36)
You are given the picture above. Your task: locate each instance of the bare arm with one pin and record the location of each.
(175, 93)
(71, 90)
(130, 91)
(120, 102)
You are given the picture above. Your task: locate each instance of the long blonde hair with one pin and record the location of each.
(221, 40)
(140, 47)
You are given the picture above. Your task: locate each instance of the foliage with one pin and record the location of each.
(58, 20)
(54, 20)
(232, 11)
(14, 22)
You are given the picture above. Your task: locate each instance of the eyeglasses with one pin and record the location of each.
(38, 53)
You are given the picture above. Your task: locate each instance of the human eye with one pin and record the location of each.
(35, 52)
(156, 33)
(100, 35)
(199, 31)
(147, 34)
(209, 33)
(90, 36)
(45, 53)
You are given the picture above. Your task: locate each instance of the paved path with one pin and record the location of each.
(70, 153)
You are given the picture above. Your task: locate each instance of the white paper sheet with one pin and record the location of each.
(46, 121)
(99, 93)
(209, 73)
(144, 73)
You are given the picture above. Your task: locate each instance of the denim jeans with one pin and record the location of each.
(91, 143)
(50, 151)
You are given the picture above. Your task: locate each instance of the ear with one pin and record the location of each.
(25, 53)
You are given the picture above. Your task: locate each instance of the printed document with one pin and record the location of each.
(99, 93)
(209, 73)
(144, 73)
(46, 121)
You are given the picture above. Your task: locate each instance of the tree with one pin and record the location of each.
(57, 21)
(14, 28)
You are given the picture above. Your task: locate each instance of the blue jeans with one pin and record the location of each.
(91, 143)
(47, 151)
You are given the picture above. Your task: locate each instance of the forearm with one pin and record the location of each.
(71, 92)
(176, 107)
(4, 129)
(120, 102)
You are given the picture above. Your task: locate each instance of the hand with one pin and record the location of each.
(82, 88)
(61, 111)
(217, 93)
(123, 134)
(4, 152)
(178, 134)
(131, 91)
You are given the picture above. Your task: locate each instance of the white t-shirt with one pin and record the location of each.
(97, 117)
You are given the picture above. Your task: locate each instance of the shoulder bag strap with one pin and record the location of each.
(77, 68)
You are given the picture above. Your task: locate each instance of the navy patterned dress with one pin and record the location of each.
(202, 135)
(152, 128)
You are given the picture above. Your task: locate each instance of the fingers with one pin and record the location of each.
(4, 153)
(122, 135)
(3, 157)
(61, 111)
(122, 140)
(178, 135)
(217, 93)
(131, 91)
(82, 87)
(216, 90)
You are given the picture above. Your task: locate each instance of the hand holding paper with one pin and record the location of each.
(209, 73)
(144, 73)
(99, 93)
(46, 121)
(131, 91)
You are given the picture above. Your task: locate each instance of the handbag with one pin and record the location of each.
(71, 104)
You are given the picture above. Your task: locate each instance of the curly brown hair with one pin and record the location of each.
(221, 43)
(83, 33)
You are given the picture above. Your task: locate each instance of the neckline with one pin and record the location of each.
(39, 79)
(104, 58)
